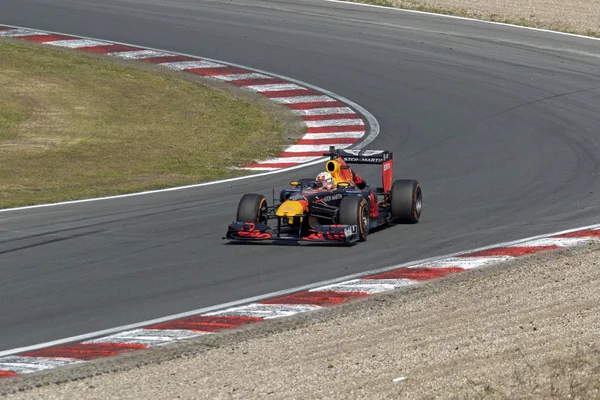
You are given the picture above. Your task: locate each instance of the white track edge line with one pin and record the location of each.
(462, 18)
(372, 133)
(282, 293)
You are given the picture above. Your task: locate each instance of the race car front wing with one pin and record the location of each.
(251, 231)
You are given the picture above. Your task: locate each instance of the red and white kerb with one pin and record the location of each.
(283, 306)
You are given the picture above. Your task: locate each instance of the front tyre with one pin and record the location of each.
(406, 201)
(252, 208)
(354, 210)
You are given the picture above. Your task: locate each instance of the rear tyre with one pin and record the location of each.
(406, 201)
(252, 208)
(354, 210)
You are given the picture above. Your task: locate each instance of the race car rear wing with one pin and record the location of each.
(382, 157)
(359, 156)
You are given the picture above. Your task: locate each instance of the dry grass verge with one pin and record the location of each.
(577, 16)
(74, 126)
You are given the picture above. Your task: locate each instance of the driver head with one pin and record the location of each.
(325, 180)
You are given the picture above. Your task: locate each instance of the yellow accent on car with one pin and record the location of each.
(290, 208)
(335, 169)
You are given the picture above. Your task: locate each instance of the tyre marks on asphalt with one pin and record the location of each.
(319, 298)
(328, 121)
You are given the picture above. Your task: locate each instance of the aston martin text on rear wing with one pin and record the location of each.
(360, 156)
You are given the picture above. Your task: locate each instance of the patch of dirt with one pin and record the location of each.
(578, 16)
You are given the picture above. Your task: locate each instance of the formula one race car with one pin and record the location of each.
(344, 213)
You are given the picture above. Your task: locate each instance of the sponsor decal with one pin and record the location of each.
(368, 156)
(365, 152)
(350, 230)
(332, 197)
(364, 159)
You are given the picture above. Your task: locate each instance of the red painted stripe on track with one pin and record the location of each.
(579, 234)
(87, 351)
(218, 71)
(290, 93)
(7, 374)
(315, 104)
(417, 274)
(164, 59)
(328, 117)
(258, 81)
(271, 165)
(333, 129)
(321, 298)
(510, 251)
(203, 323)
(109, 48)
(47, 38)
(340, 140)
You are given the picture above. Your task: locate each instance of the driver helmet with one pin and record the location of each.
(325, 180)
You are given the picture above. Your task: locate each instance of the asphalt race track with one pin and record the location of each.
(501, 127)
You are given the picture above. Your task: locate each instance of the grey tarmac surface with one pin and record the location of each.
(499, 125)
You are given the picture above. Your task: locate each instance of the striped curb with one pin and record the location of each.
(380, 281)
(328, 120)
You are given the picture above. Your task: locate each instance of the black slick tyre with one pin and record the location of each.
(354, 210)
(406, 201)
(252, 208)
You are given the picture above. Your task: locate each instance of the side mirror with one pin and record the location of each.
(343, 184)
(294, 183)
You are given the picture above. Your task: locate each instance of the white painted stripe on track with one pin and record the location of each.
(149, 337)
(253, 300)
(329, 117)
(139, 54)
(466, 263)
(21, 32)
(334, 135)
(236, 77)
(370, 135)
(334, 122)
(560, 242)
(302, 99)
(370, 286)
(182, 65)
(24, 365)
(274, 87)
(325, 111)
(75, 44)
(266, 311)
